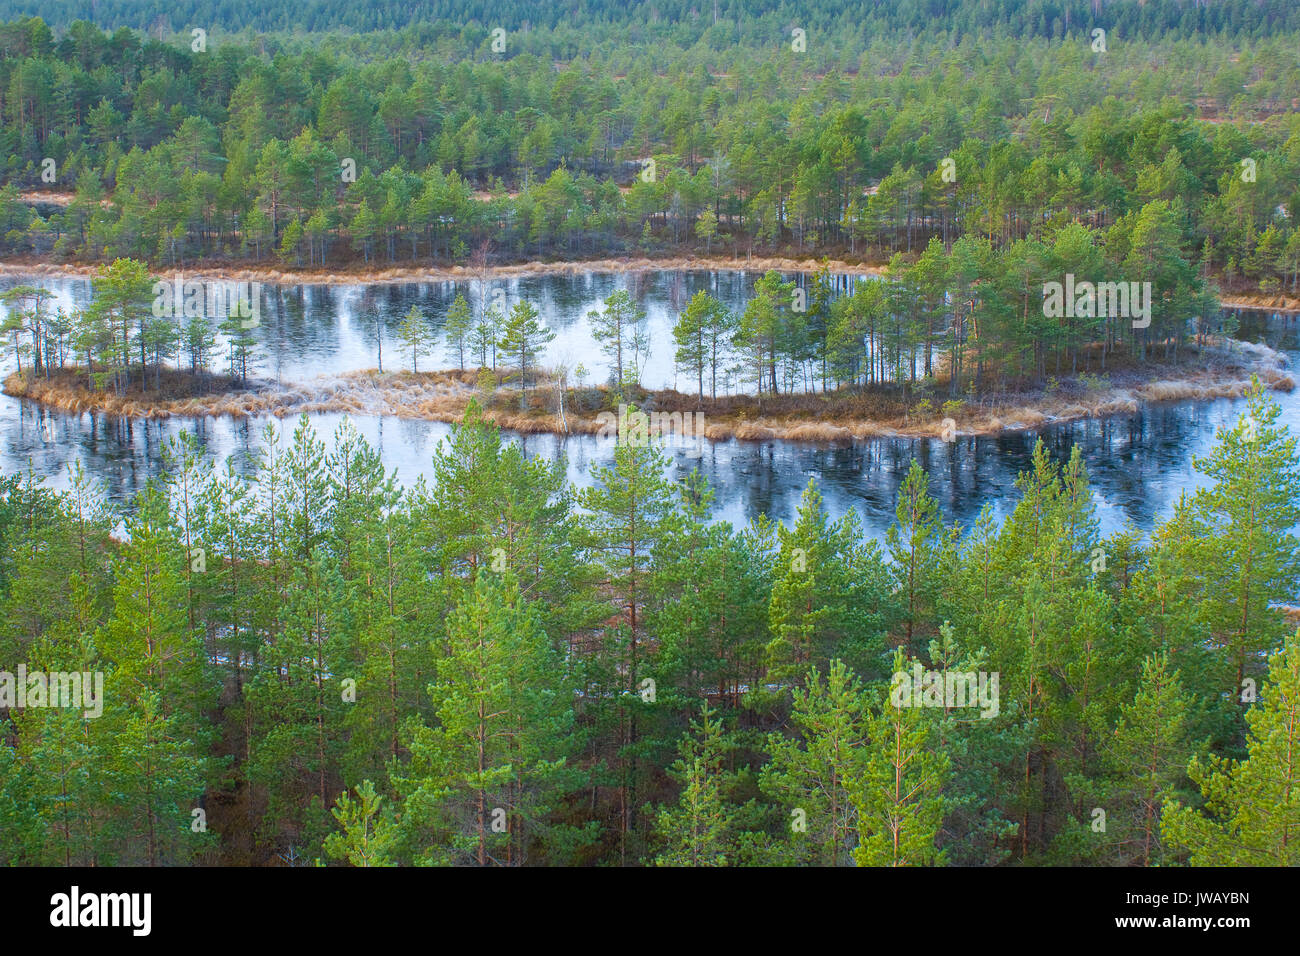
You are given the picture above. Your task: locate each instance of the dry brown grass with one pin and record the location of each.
(69, 390)
(817, 432)
(1184, 391)
(1257, 300)
(1277, 380)
(751, 431)
(359, 273)
(1115, 406)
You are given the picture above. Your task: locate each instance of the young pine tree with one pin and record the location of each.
(630, 506)
(619, 328)
(1245, 556)
(916, 544)
(485, 778)
(697, 832)
(898, 793)
(701, 334)
(1252, 807)
(1148, 755)
(456, 330)
(417, 338)
(368, 832)
(811, 773)
(523, 339)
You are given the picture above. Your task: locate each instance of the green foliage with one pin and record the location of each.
(456, 330)
(897, 792)
(1251, 806)
(810, 774)
(418, 142)
(494, 667)
(416, 336)
(619, 329)
(523, 339)
(367, 834)
(697, 832)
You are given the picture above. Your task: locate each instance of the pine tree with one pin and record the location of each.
(241, 345)
(821, 594)
(523, 339)
(483, 337)
(1252, 807)
(917, 545)
(630, 505)
(123, 291)
(158, 689)
(619, 329)
(764, 333)
(417, 337)
(702, 334)
(456, 330)
(493, 507)
(1148, 754)
(298, 705)
(21, 830)
(157, 769)
(62, 752)
(148, 637)
(484, 780)
(810, 774)
(710, 604)
(368, 832)
(898, 793)
(1245, 555)
(198, 341)
(977, 830)
(697, 832)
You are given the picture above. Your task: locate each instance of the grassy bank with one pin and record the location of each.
(358, 273)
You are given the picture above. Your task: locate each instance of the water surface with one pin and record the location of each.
(1138, 463)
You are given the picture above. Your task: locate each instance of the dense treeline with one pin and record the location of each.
(496, 668)
(398, 148)
(720, 21)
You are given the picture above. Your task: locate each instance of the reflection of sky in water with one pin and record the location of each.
(313, 330)
(1138, 464)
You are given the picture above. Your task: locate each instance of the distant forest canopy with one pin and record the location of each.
(716, 22)
(1174, 162)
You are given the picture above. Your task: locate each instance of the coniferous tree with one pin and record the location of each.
(1245, 556)
(417, 337)
(697, 832)
(456, 330)
(629, 505)
(483, 782)
(368, 832)
(1148, 754)
(811, 773)
(619, 329)
(523, 339)
(898, 792)
(701, 334)
(917, 545)
(1252, 806)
